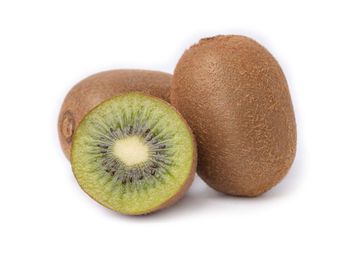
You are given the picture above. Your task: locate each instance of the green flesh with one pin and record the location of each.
(134, 184)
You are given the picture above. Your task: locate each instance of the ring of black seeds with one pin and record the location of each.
(148, 172)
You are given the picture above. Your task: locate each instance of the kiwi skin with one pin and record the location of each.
(181, 193)
(235, 97)
(99, 87)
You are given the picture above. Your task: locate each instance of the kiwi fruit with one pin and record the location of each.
(235, 97)
(99, 87)
(134, 154)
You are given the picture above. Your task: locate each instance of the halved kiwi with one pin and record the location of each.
(99, 87)
(134, 154)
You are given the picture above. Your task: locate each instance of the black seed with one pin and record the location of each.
(147, 131)
(102, 146)
(154, 165)
(162, 146)
(130, 179)
(153, 172)
(111, 129)
(112, 173)
(160, 160)
(124, 181)
(130, 130)
(103, 151)
(141, 177)
(108, 169)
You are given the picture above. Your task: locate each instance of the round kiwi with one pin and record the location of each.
(99, 87)
(235, 97)
(134, 154)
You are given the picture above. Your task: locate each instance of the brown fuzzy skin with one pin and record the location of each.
(235, 97)
(99, 87)
(180, 194)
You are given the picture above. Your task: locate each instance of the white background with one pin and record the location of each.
(48, 46)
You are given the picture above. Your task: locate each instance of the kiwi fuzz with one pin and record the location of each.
(135, 158)
(236, 99)
(99, 87)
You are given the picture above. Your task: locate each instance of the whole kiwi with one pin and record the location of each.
(235, 97)
(99, 87)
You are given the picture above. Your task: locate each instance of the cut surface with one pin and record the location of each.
(133, 153)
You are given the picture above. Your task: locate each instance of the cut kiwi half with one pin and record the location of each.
(134, 154)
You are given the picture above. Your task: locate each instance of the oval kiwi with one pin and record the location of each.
(235, 97)
(134, 154)
(99, 87)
